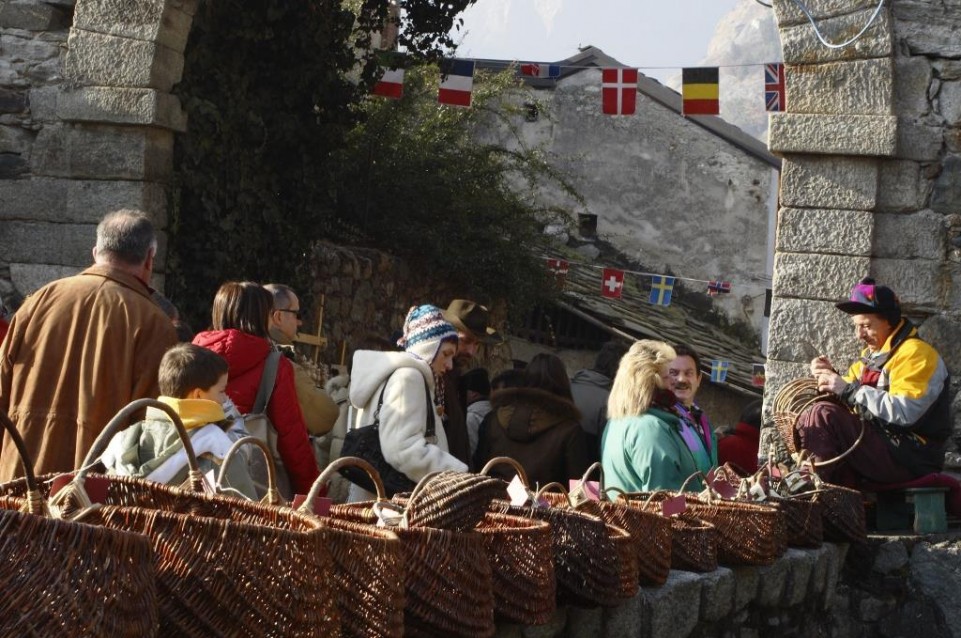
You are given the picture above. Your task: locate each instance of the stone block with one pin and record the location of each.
(913, 77)
(13, 166)
(29, 278)
(801, 46)
(928, 28)
(16, 141)
(675, 606)
(51, 244)
(946, 197)
(863, 135)
(717, 594)
(772, 580)
(891, 557)
(800, 567)
(12, 100)
(787, 12)
(917, 236)
(25, 47)
(43, 103)
(919, 142)
(819, 571)
(901, 187)
(584, 623)
(934, 569)
(944, 333)
(103, 152)
(165, 22)
(844, 183)
(80, 201)
(860, 87)
(116, 105)
(949, 100)
(630, 619)
(814, 276)
(802, 329)
(745, 586)
(779, 373)
(106, 60)
(818, 230)
(918, 282)
(32, 16)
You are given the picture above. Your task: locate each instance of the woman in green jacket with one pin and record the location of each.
(642, 449)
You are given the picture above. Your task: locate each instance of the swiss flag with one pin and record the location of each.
(613, 283)
(619, 91)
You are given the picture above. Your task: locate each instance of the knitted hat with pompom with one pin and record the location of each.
(425, 329)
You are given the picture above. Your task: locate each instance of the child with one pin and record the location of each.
(192, 381)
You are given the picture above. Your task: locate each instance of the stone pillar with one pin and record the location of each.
(92, 133)
(870, 179)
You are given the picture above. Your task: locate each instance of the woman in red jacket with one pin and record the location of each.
(240, 336)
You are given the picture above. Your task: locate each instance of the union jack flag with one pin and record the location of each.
(715, 288)
(774, 87)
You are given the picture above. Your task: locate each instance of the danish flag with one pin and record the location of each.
(619, 91)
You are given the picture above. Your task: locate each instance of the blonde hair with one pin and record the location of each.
(638, 376)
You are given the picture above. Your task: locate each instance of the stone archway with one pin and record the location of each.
(871, 181)
(89, 124)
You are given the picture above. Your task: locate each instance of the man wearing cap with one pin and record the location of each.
(472, 322)
(897, 390)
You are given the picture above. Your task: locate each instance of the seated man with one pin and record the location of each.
(898, 390)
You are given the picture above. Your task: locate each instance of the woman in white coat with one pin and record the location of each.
(429, 344)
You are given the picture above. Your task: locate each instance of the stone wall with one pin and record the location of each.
(871, 182)
(86, 126)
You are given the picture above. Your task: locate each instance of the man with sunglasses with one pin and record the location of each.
(897, 392)
(319, 410)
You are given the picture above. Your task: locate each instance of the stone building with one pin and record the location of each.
(693, 195)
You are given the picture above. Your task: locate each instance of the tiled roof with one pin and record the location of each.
(633, 316)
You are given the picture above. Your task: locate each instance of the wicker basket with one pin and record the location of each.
(447, 577)
(368, 565)
(843, 513)
(106, 575)
(521, 557)
(693, 541)
(451, 500)
(651, 533)
(224, 566)
(790, 402)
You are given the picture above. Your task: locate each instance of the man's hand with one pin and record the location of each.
(830, 381)
(821, 364)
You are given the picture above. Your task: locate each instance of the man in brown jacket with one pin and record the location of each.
(83, 347)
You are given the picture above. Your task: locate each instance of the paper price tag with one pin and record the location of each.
(673, 505)
(320, 506)
(590, 489)
(517, 491)
(720, 485)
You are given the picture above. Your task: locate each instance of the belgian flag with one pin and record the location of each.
(700, 91)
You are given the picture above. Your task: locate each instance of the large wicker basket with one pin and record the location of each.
(62, 578)
(693, 541)
(224, 566)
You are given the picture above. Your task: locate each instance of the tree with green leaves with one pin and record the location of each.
(285, 147)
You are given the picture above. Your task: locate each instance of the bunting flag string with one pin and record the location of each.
(700, 86)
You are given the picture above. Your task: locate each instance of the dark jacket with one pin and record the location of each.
(455, 417)
(540, 430)
(591, 390)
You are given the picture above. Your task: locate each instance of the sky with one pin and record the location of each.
(641, 33)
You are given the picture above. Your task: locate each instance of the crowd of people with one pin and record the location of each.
(83, 347)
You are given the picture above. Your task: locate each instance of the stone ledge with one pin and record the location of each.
(101, 151)
(107, 60)
(166, 22)
(858, 135)
(825, 231)
(786, 12)
(842, 88)
(688, 601)
(118, 105)
(59, 200)
(801, 46)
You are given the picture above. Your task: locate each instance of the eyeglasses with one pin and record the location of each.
(295, 313)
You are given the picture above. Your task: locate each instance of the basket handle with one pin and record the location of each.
(596, 467)
(327, 474)
(506, 460)
(272, 497)
(35, 503)
(707, 485)
(194, 477)
(554, 487)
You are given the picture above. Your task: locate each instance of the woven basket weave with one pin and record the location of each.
(62, 578)
(368, 565)
(451, 500)
(693, 541)
(224, 566)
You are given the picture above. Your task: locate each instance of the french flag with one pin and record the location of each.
(457, 82)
